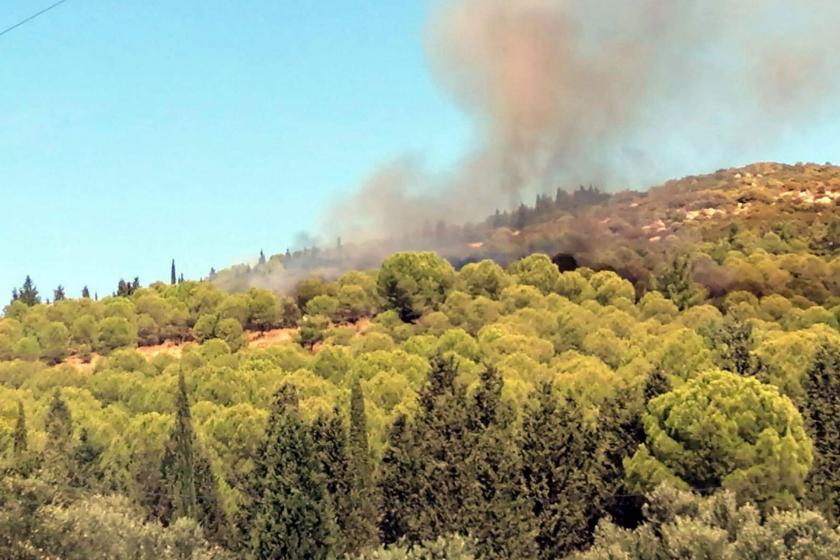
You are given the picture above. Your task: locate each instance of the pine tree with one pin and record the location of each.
(178, 465)
(675, 282)
(58, 293)
(496, 220)
(287, 514)
(360, 521)
(28, 293)
(20, 439)
(173, 278)
(822, 411)
(495, 510)
(563, 470)
(520, 220)
(85, 293)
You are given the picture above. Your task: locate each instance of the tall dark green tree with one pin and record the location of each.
(330, 438)
(675, 282)
(123, 289)
(563, 468)
(424, 483)
(362, 514)
(496, 512)
(620, 432)
(287, 513)
(20, 438)
(85, 293)
(400, 482)
(87, 472)
(656, 384)
(734, 343)
(822, 411)
(58, 293)
(211, 511)
(192, 489)
(178, 464)
(57, 464)
(28, 293)
(173, 278)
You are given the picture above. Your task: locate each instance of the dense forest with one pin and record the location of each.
(630, 376)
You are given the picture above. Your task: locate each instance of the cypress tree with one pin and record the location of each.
(400, 482)
(360, 523)
(20, 439)
(57, 453)
(563, 473)
(85, 293)
(495, 510)
(822, 411)
(173, 278)
(288, 512)
(330, 439)
(87, 472)
(211, 513)
(620, 432)
(424, 466)
(178, 464)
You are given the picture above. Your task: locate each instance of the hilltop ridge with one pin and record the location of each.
(627, 231)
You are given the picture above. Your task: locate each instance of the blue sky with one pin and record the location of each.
(136, 132)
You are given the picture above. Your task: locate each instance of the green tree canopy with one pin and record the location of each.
(412, 283)
(724, 430)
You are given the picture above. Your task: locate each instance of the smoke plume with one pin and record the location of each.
(621, 93)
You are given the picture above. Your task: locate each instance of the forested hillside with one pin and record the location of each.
(640, 375)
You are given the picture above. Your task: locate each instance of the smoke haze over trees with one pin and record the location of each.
(618, 93)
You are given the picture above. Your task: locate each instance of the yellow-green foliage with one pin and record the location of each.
(582, 330)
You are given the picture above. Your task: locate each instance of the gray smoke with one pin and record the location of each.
(620, 93)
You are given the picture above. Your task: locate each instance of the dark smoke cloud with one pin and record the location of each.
(619, 93)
